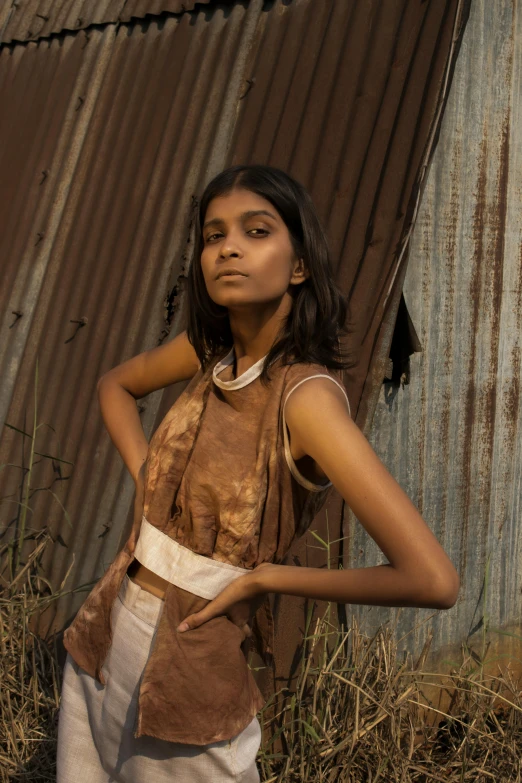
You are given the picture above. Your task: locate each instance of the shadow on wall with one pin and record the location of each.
(405, 342)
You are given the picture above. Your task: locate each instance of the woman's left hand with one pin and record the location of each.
(239, 602)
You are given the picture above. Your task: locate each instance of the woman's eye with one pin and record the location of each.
(263, 230)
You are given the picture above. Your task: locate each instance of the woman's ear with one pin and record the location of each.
(300, 272)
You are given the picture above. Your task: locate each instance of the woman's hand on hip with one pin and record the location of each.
(239, 602)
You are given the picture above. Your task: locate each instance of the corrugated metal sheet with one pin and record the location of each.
(139, 8)
(452, 437)
(31, 20)
(125, 147)
(132, 121)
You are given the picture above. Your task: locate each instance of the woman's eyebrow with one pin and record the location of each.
(249, 213)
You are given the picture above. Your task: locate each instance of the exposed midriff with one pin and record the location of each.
(147, 579)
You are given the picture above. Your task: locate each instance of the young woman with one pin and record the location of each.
(156, 685)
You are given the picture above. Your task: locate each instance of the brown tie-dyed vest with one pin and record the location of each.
(217, 481)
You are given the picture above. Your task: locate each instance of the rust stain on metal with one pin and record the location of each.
(445, 319)
(498, 216)
(511, 409)
(512, 397)
(518, 291)
(474, 296)
(496, 219)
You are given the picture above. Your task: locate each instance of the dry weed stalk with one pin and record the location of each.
(30, 675)
(360, 715)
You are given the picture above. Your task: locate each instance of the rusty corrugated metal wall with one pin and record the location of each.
(102, 152)
(32, 20)
(107, 135)
(452, 437)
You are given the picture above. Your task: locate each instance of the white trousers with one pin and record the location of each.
(96, 742)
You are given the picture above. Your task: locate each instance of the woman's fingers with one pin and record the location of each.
(238, 602)
(195, 620)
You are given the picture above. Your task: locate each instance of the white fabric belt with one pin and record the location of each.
(181, 566)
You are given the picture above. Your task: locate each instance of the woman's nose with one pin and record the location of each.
(229, 249)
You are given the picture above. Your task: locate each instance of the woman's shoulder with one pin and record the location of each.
(301, 372)
(304, 370)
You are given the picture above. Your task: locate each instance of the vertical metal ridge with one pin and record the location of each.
(227, 118)
(31, 270)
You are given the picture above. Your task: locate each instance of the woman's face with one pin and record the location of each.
(244, 231)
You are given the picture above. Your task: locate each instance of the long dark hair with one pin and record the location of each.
(311, 332)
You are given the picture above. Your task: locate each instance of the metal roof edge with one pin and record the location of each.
(109, 16)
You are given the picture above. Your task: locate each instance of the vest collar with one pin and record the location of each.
(237, 383)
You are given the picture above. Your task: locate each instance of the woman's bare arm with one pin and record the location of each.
(119, 389)
(419, 573)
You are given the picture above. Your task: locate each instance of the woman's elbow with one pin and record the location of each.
(445, 590)
(101, 381)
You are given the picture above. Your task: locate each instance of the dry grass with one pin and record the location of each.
(30, 675)
(361, 715)
(359, 712)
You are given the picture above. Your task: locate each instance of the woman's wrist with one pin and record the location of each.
(263, 573)
(139, 477)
